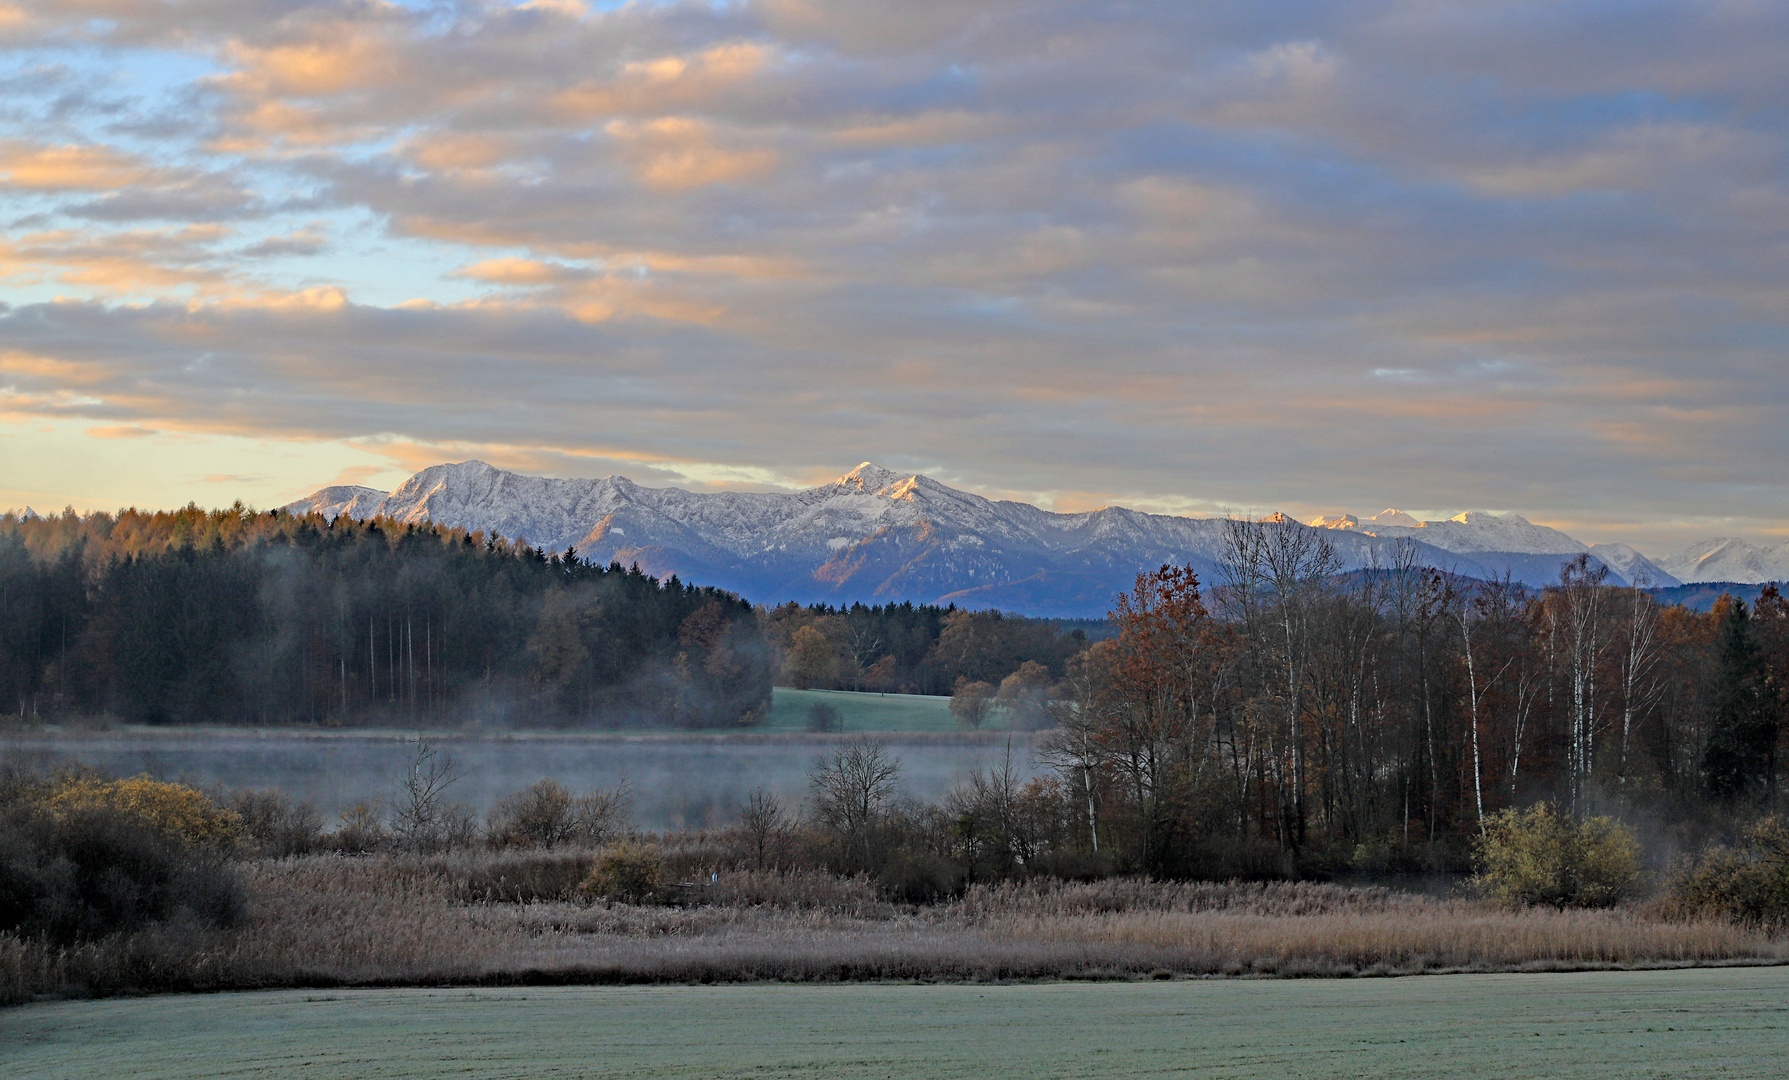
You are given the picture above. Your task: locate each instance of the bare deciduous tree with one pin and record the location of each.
(420, 812)
(850, 791)
(764, 822)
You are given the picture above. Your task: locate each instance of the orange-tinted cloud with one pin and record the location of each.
(676, 153)
(666, 83)
(69, 167)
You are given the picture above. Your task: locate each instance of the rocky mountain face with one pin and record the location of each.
(878, 536)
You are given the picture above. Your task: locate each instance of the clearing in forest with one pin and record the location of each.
(791, 710)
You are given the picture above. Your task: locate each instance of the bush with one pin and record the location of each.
(361, 832)
(919, 877)
(823, 717)
(86, 872)
(1538, 856)
(274, 825)
(175, 809)
(1747, 883)
(546, 814)
(628, 871)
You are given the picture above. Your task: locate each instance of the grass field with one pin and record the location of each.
(862, 712)
(1730, 1022)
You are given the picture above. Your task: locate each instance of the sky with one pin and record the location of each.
(1184, 257)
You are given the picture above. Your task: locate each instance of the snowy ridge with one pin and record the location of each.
(1725, 559)
(1472, 531)
(877, 536)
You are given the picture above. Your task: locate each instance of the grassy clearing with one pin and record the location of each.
(860, 712)
(1725, 1022)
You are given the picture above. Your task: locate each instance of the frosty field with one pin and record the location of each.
(1730, 1022)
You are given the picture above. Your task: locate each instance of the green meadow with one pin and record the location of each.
(791, 708)
(1729, 1022)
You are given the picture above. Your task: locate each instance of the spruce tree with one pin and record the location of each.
(1738, 759)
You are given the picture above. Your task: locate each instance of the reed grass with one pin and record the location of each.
(508, 918)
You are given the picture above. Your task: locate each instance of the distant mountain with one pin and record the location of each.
(1723, 559)
(1637, 568)
(877, 536)
(1473, 531)
(1508, 539)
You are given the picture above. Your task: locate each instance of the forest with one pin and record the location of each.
(1382, 720)
(234, 616)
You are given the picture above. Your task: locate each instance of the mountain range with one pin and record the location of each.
(878, 536)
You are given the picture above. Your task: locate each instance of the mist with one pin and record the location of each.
(676, 781)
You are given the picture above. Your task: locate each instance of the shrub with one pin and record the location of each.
(175, 809)
(1747, 883)
(274, 825)
(823, 717)
(627, 871)
(89, 871)
(1538, 856)
(919, 877)
(361, 832)
(546, 814)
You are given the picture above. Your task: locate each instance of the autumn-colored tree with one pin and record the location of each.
(1149, 720)
(812, 660)
(970, 702)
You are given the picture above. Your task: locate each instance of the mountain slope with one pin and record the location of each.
(877, 536)
(1726, 559)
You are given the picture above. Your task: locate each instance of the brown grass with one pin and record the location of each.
(496, 918)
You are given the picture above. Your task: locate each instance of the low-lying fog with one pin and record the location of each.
(676, 781)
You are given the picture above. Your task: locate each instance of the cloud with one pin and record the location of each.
(663, 84)
(68, 167)
(675, 153)
(117, 262)
(302, 243)
(1181, 255)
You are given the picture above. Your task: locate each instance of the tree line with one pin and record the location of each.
(234, 616)
(1292, 713)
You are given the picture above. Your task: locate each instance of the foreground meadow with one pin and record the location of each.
(1727, 1022)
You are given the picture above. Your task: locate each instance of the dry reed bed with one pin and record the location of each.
(513, 918)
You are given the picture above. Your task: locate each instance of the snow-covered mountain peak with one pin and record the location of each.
(350, 500)
(1630, 564)
(871, 478)
(1471, 531)
(877, 535)
(1724, 558)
